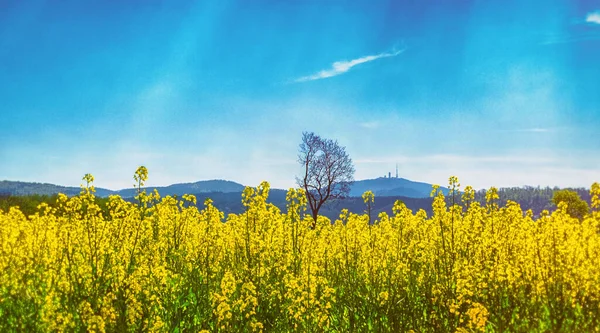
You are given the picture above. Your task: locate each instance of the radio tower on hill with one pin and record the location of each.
(396, 170)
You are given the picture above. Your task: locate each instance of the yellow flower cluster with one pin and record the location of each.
(161, 264)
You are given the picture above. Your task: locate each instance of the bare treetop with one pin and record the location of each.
(328, 170)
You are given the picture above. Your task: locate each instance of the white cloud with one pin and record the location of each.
(533, 130)
(593, 17)
(341, 67)
(530, 130)
(537, 130)
(370, 125)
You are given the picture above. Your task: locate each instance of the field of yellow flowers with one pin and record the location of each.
(160, 264)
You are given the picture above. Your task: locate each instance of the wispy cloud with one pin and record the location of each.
(537, 130)
(593, 17)
(533, 130)
(341, 67)
(370, 125)
(571, 39)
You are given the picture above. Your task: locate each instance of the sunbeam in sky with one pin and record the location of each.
(502, 93)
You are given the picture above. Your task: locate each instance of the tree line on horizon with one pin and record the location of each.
(537, 199)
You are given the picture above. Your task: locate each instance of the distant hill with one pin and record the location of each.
(227, 196)
(382, 187)
(8, 187)
(203, 186)
(386, 187)
(25, 188)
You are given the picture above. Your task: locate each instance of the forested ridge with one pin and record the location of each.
(537, 199)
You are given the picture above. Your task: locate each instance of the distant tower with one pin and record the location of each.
(389, 175)
(396, 170)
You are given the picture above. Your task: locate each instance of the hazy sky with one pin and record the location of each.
(495, 92)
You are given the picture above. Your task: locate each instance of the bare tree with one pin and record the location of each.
(328, 171)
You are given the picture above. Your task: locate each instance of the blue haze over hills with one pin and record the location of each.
(382, 187)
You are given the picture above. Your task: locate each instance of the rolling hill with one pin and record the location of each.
(386, 187)
(226, 195)
(8, 187)
(206, 186)
(203, 186)
(382, 187)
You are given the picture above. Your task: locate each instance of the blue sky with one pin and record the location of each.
(503, 93)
